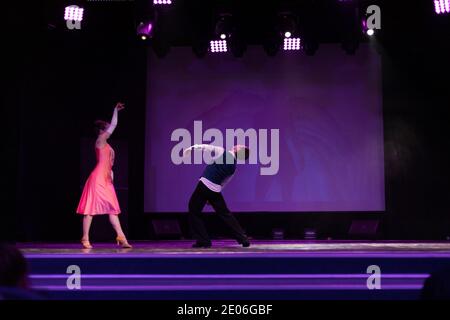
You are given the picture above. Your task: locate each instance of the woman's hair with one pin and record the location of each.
(100, 125)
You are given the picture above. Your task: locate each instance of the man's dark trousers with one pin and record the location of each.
(199, 197)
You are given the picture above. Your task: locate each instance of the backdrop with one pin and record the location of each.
(327, 108)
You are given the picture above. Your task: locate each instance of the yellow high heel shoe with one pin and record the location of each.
(122, 241)
(86, 244)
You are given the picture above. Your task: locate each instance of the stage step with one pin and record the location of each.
(227, 281)
(300, 263)
(230, 286)
(232, 273)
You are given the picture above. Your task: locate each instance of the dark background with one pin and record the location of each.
(57, 82)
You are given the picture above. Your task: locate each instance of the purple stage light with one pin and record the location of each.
(365, 29)
(162, 2)
(287, 34)
(292, 44)
(73, 13)
(218, 46)
(144, 30)
(442, 6)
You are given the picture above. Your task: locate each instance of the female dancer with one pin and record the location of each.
(99, 196)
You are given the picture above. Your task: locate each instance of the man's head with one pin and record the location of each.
(241, 152)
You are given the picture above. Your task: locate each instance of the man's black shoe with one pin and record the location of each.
(201, 245)
(245, 243)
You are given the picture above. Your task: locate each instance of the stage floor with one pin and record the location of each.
(269, 269)
(258, 247)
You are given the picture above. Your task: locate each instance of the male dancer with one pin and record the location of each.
(209, 188)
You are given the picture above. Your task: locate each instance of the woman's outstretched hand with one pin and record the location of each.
(120, 106)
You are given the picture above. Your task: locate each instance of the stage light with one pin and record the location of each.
(144, 30)
(146, 20)
(73, 13)
(277, 234)
(218, 46)
(442, 6)
(284, 35)
(368, 31)
(163, 2)
(224, 26)
(287, 24)
(310, 234)
(292, 44)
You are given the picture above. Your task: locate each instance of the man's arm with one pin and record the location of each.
(204, 147)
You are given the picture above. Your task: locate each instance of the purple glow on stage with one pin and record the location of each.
(73, 13)
(292, 44)
(328, 109)
(162, 2)
(218, 46)
(442, 6)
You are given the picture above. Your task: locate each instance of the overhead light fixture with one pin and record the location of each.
(162, 2)
(217, 46)
(292, 44)
(73, 13)
(442, 6)
(224, 26)
(368, 31)
(287, 24)
(144, 30)
(145, 20)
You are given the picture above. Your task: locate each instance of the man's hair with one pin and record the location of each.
(13, 266)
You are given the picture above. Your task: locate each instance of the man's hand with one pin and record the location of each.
(187, 152)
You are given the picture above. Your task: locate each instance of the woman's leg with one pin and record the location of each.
(115, 222)
(87, 220)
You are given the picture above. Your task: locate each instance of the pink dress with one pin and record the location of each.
(99, 196)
